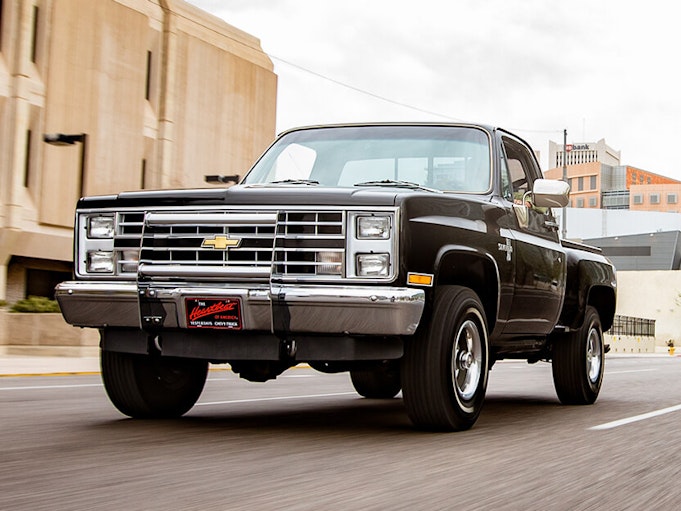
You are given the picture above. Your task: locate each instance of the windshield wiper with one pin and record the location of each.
(398, 184)
(294, 182)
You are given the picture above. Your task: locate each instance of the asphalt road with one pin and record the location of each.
(307, 442)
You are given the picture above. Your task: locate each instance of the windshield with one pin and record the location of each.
(447, 159)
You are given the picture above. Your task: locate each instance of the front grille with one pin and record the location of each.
(208, 244)
(234, 245)
(310, 244)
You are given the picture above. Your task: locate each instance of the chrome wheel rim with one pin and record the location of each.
(594, 355)
(467, 360)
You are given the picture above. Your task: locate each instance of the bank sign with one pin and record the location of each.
(576, 147)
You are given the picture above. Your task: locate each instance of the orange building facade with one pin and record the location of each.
(600, 186)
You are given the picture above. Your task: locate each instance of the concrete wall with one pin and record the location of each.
(652, 295)
(45, 335)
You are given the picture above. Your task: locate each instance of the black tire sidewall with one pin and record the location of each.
(428, 389)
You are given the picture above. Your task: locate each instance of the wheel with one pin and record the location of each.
(578, 362)
(379, 381)
(446, 364)
(145, 387)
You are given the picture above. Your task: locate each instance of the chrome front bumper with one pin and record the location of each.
(349, 310)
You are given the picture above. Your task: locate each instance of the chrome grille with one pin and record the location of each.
(243, 244)
(310, 244)
(208, 244)
(127, 234)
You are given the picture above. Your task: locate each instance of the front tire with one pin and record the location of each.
(578, 362)
(446, 365)
(144, 387)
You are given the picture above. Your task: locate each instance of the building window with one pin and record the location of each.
(592, 183)
(147, 85)
(593, 202)
(580, 184)
(650, 181)
(580, 202)
(1, 2)
(27, 161)
(633, 177)
(638, 198)
(640, 179)
(654, 198)
(671, 198)
(34, 38)
(144, 173)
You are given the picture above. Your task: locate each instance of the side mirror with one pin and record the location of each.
(550, 193)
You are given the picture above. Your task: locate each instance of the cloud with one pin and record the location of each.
(603, 69)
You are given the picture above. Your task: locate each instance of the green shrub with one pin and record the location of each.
(3, 303)
(35, 304)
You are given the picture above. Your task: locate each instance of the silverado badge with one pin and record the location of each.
(221, 242)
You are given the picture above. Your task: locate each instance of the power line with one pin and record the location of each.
(363, 91)
(388, 100)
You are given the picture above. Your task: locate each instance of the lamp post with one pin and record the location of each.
(565, 178)
(63, 139)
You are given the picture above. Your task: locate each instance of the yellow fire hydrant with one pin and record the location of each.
(670, 346)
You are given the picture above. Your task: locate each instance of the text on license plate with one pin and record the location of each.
(213, 313)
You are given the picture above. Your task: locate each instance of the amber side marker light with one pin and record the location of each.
(420, 279)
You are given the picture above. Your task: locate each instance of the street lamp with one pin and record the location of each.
(63, 139)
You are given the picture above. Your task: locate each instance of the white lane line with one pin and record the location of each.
(45, 387)
(629, 371)
(636, 418)
(280, 398)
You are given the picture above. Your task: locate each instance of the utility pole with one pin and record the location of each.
(565, 178)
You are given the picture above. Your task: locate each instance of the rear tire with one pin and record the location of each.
(445, 367)
(578, 362)
(145, 387)
(379, 381)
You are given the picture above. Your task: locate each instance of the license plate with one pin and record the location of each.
(222, 313)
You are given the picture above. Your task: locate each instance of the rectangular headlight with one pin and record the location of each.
(100, 227)
(373, 265)
(99, 261)
(373, 227)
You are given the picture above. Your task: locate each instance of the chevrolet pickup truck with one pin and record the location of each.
(413, 256)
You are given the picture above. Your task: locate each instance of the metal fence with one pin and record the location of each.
(628, 325)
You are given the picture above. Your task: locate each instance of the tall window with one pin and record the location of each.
(143, 177)
(592, 183)
(580, 184)
(34, 38)
(27, 161)
(147, 85)
(1, 2)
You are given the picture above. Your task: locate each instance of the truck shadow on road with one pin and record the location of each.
(348, 415)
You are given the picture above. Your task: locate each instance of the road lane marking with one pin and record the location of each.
(280, 398)
(636, 418)
(630, 371)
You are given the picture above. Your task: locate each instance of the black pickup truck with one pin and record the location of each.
(413, 256)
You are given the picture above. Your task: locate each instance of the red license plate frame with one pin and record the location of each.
(214, 313)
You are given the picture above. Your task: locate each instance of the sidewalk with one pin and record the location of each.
(13, 365)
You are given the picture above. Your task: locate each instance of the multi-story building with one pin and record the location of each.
(583, 152)
(598, 180)
(138, 93)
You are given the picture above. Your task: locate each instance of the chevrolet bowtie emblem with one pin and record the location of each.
(220, 243)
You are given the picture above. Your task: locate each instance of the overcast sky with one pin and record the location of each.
(598, 68)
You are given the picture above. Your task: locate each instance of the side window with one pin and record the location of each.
(521, 168)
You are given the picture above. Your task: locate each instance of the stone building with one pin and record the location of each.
(132, 94)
